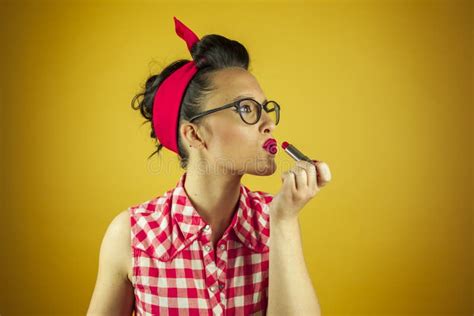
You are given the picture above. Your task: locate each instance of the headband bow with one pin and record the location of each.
(168, 97)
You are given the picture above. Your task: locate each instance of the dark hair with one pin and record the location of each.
(211, 53)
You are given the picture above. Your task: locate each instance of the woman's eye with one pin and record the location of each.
(245, 109)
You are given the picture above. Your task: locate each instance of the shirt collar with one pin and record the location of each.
(250, 222)
(166, 225)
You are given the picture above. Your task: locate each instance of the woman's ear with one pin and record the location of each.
(191, 136)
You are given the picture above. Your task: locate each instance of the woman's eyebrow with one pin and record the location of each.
(246, 96)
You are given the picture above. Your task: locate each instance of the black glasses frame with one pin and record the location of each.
(236, 105)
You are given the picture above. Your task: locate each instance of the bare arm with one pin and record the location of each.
(113, 293)
(290, 288)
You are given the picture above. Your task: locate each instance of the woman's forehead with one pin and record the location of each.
(234, 83)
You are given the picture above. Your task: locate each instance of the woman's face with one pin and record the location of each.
(231, 145)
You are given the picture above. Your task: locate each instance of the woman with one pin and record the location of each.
(203, 247)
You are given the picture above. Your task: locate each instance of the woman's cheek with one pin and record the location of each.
(234, 141)
(223, 143)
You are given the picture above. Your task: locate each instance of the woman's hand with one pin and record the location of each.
(300, 184)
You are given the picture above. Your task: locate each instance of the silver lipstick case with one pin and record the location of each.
(296, 154)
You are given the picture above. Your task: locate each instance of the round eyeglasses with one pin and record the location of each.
(249, 110)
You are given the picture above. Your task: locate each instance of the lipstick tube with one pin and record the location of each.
(295, 153)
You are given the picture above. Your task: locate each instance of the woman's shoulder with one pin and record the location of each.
(115, 250)
(263, 196)
(128, 228)
(259, 202)
(258, 196)
(119, 227)
(151, 205)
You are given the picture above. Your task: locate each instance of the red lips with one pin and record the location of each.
(271, 146)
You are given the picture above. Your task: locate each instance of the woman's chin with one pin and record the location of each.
(268, 173)
(266, 169)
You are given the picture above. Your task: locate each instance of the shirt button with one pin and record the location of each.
(222, 247)
(221, 286)
(207, 247)
(212, 288)
(206, 228)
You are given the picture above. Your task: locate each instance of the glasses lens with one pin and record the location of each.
(248, 110)
(273, 110)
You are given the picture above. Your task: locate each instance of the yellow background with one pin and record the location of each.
(380, 90)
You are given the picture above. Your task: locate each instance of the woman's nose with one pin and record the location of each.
(268, 125)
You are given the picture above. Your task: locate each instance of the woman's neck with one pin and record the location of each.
(215, 197)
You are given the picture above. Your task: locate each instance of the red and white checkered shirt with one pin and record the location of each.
(176, 270)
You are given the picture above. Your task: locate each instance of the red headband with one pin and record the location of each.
(169, 95)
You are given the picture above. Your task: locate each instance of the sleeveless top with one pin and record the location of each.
(176, 270)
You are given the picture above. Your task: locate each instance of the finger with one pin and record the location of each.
(288, 179)
(311, 173)
(301, 177)
(312, 176)
(318, 173)
(324, 173)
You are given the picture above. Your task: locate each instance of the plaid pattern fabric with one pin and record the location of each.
(176, 270)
